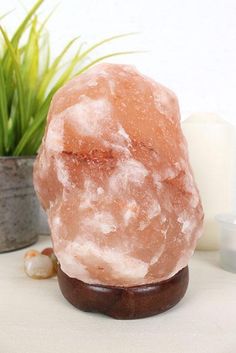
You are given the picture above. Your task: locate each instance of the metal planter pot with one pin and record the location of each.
(43, 227)
(19, 208)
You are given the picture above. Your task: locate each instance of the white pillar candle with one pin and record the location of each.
(212, 153)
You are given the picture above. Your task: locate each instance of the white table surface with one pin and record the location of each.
(35, 318)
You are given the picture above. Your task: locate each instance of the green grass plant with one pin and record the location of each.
(29, 79)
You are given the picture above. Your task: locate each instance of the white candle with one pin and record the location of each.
(211, 143)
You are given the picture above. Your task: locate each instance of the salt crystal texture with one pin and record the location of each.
(114, 177)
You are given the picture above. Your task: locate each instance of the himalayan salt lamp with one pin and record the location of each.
(114, 177)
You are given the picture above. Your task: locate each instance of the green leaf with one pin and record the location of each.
(17, 36)
(53, 69)
(44, 57)
(3, 114)
(101, 58)
(5, 14)
(19, 82)
(102, 42)
(47, 18)
(39, 119)
(66, 75)
(30, 67)
(21, 29)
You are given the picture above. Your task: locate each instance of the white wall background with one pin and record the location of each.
(191, 43)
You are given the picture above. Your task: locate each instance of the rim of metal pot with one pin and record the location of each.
(16, 157)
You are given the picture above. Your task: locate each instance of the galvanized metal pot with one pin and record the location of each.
(43, 227)
(19, 208)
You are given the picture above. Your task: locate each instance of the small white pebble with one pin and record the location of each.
(30, 253)
(39, 267)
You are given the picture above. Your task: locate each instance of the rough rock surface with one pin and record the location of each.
(114, 176)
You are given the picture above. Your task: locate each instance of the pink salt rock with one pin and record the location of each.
(114, 177)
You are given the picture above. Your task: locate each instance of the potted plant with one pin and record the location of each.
(28, 80)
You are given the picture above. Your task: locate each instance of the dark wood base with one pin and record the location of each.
(125, 302)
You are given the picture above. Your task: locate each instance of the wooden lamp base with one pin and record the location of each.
(125, 302)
